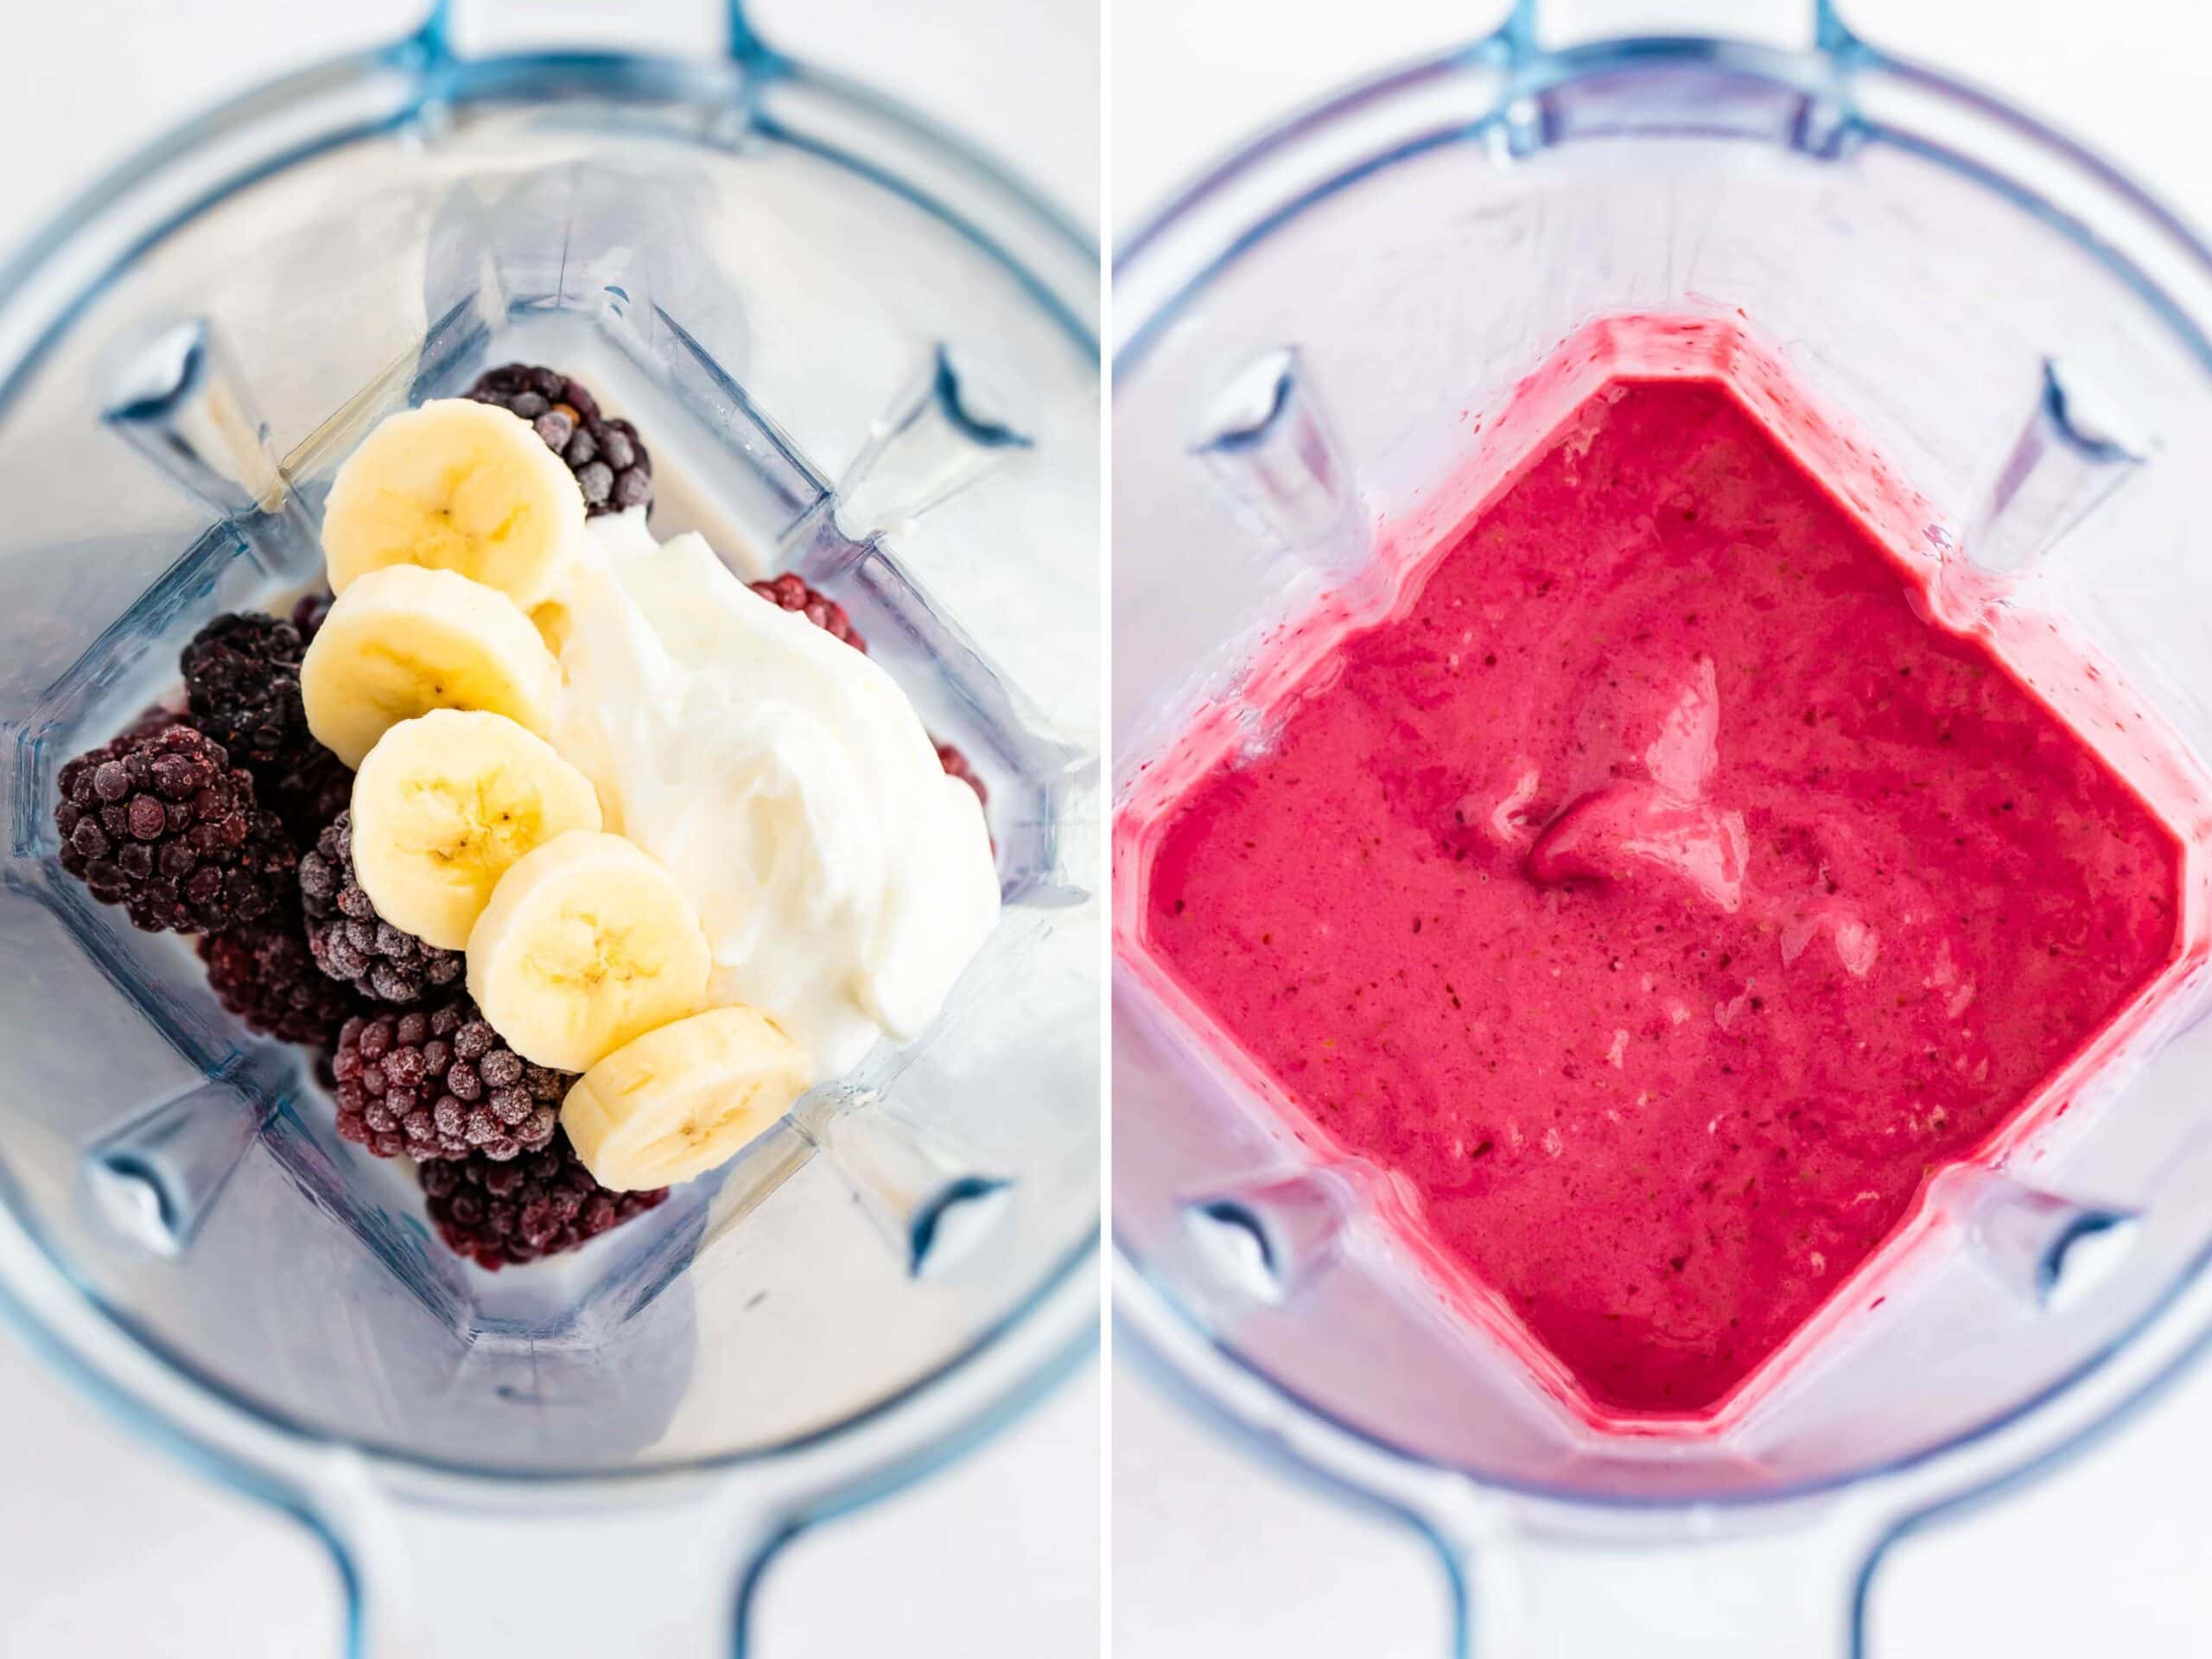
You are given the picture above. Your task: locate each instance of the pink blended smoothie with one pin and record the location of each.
(1662, 895)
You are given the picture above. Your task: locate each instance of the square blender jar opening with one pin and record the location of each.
(1302, 426)
(1697, 1305)
(186, 1171)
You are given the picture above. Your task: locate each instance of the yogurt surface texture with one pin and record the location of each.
(843, 880)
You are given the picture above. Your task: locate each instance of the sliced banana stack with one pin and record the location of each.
(586, 944)
(448, 534)
(677, 1101)
(447, 802)
(458, 486)
(402, 641)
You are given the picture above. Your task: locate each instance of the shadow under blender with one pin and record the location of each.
(1661, 895)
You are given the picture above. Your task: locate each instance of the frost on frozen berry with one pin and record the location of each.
(440, 1083)
(158, 718)
(351, 943)
(160, 823)
(788, 591)
(501, 1214)
(242, 686)
(610, 464)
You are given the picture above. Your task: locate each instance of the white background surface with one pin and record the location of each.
(107, 1548)
(1216, 1556)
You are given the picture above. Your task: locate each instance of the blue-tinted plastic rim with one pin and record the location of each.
(1511, 50)
(441, 81)
(435, 78)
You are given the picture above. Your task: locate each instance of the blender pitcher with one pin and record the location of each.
(2021, 337)
(864, 354)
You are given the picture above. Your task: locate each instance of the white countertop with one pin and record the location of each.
(1217, 1554)
(108, 1548)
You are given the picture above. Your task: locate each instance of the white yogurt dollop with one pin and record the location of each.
(783, 778)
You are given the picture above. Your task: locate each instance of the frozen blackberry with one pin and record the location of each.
(162, 823)
(242, 680)
(525, 1209)
(307, 613)
(354, 944)
(263, 974)
(242, 685)
(955, 766)
(788, 591)
(309, 794)
(439, 1082)
(612, 468)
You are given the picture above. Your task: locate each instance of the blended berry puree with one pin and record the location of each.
(1662, 896)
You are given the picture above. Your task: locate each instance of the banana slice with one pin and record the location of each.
(586, 944)
(677, 1102)
(454, 485)
(402, 641)
(444, 804)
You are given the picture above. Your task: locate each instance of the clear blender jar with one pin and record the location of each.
(860, 352)
(2022, 335)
